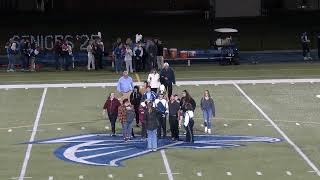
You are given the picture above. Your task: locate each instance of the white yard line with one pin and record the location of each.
(166, 164)
(209, 82)
(283, 134)
(33, 134)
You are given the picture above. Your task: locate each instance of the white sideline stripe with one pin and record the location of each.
(166, 164)
(33, 134)
(299, 151)
(212, 82)
(19, 177)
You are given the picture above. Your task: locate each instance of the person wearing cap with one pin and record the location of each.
(167, 78)
(149, 95)
(174, 107)
(161, 105)
(125, 85)
(112, 105)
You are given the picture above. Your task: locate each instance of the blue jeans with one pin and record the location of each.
(11, 59)
(118, 65)
(207, 117)
(152, 139)
(57, 61)
(127, 129)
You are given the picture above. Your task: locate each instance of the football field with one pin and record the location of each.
(264, 129)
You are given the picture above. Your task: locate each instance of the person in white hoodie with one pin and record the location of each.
(154, 80)
(188, 123)
(91, 62)
(162, 107)
(128, 58)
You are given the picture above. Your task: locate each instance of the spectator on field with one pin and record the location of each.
(119, 54)
(154, 80)
(112, 105)
(208, 111)
(174, 107)
(57, 52)
(126, 116)
(142, 109)
(13, 54)
(98, 50)
(162, 107)
(149, 95)
(150, 117)
(26, 55)
(160, 60)
(91, 59)
(188, 123)
(305, 46)
(167, 78)
(125, 85)
(135, 100)
(69, 57)
(35, 50)
(152, 51)
(138, 55)
(65, 54)
(185, 100)
(128, 59)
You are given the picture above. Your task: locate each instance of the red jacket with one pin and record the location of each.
(112, 106)
(141, 114)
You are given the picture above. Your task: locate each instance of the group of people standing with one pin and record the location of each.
(63, 55)
(22, 51)
(152, 104)
(138, 56)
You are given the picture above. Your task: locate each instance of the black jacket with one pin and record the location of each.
(167, 74)
(151, 119)
(135, 99)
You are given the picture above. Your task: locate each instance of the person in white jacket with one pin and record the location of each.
(162, 107)
(154, 80)
(91, 62)
(128, 59)
(188, 123)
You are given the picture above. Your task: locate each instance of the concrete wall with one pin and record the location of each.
(238, 8)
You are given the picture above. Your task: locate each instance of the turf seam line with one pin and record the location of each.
(212, 82)
(283, 134)
(33, 134)
(166, 164)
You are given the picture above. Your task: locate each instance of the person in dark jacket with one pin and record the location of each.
(152, 52)
(150, 117)
(174, 107)
(112, 105)
(167, 78)
(57, 51)
(142, 109)
(187, 99)
(208, 110)
(160, 60)
(135, 99)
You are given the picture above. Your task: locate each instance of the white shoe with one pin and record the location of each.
(209, 131)
(206, 130)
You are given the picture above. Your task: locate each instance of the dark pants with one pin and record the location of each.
(67, 62)
(305, 49)
(113, 119)
(155, 90)
(174, 126)
(57, 61)
(168, 89)
(143, 130)
(98, 62)
(25, 61)
(136, 110)
(189, 129)
(138, 64)
(162, 125)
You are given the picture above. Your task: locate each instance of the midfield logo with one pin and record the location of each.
(103, 150)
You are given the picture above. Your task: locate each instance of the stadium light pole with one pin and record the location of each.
(212, 17)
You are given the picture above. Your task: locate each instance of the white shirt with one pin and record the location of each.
(154, 80)
(189, 115)
(128, 55)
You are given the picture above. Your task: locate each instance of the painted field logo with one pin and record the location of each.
(103, 150)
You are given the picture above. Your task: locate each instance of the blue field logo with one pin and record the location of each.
(103, 150)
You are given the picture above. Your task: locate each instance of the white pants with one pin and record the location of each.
(129, 65)
(91, 61)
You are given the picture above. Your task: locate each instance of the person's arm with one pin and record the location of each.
(119, 85)
(141, 52)
(213, 109)
(173, 77)
(201, 103)
(167, 107)
(149, 78)
(131, 84)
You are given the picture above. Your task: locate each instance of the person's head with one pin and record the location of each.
(126, 102)
(176, 97)
(160, 95)
(150, 105)
(118, 40)
(136, 89)
(125, 74)
(127, 47)
(153, 71)
(189, 107)
(112, 95)
(148, 88)
(172, 98)
(166, 66)
(146, 84)
(186, 94)
(206, 93)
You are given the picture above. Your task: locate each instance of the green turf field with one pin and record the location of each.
(294, 108)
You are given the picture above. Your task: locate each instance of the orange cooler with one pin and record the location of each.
(184, 54)
(173, 53)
